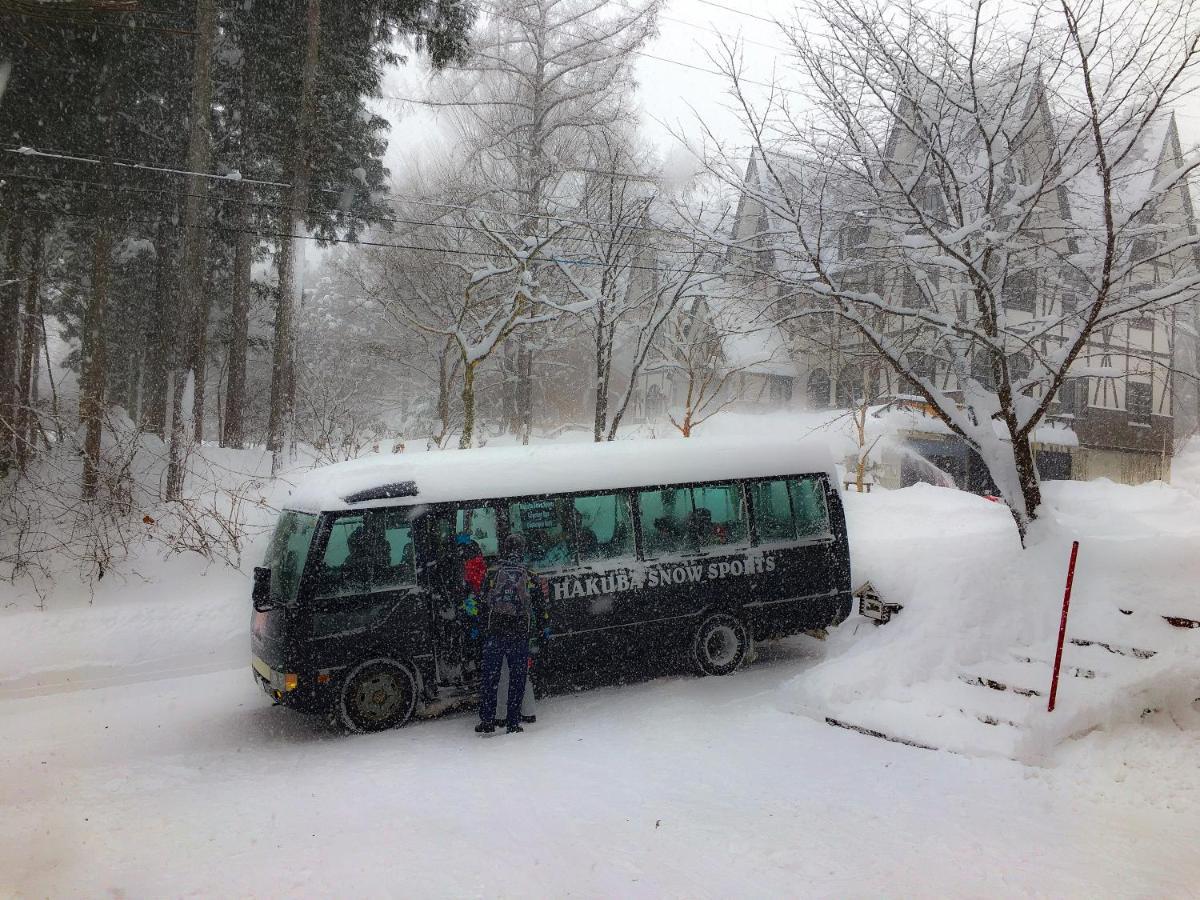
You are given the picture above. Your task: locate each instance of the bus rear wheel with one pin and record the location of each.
(720, 645)
(376, 695)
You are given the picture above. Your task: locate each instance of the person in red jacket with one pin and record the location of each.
(474, 571)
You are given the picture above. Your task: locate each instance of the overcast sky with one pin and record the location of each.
(672, 93)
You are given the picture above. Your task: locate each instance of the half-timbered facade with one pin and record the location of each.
(1130, 395)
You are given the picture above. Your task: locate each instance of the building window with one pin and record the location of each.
(1138, 401)
(818, 389)
(982, 371)
(780, 388)
(1018, 368)
(854, 240)
(1020, 290)
(654, 402)
(1072, 396)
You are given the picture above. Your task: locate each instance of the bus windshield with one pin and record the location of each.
(288, 553)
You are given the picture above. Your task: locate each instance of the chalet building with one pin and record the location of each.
(1131, 396)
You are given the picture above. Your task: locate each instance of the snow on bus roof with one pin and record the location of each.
(489, 473)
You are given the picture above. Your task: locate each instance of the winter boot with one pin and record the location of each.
(514, 729)
(485, 728)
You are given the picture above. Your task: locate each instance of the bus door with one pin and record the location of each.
(795, 538)
(365, 599)
(452, 537)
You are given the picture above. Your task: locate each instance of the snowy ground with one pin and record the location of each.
(678, 787)
(140, 760)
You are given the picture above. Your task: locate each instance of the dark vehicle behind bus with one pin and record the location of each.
(358, 608)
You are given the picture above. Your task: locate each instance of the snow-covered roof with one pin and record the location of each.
(1151, 158)
(489, 473)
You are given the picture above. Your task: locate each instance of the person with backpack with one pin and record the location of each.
(509, 610)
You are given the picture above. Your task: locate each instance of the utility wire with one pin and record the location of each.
(401, 198)
(365, 243)
(82, 23)
(737, 12)
(390, 219)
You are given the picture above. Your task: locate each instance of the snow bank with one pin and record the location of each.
(977, 608)
(194, 619)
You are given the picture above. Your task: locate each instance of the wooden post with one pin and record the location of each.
(1062, 626)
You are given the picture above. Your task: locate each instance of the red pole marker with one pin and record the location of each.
(1062, 626)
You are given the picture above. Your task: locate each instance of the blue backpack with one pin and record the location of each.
(508, 598)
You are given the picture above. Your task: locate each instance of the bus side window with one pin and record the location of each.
(808, 502)
(368, 552)
(480, 523)
(665, 514)
(337, 549)
(603, 528)
(401, 568)
(546, 526)
(773, 511)
(719, 516)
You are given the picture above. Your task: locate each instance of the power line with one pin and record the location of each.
(403, 198)
(80, 23)
(384, 244)
(217, 198)
(125, 164)
(737, 12)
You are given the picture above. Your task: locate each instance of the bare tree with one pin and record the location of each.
(471, 292)
(637, 273)
(546, 80)
(690, 351)
(976, 186)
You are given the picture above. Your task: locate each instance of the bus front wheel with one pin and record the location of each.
(720, 645)
(376, 695)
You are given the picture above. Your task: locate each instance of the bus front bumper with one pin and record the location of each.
(277, 684)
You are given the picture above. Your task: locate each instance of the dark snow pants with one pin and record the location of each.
(495, 651)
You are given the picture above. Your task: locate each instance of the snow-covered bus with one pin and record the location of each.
(643, 547)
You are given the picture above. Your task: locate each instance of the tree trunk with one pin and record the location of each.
(443, 398)
(233, 432)
(199, 156)
(10, 316)
(525, 394)
(468, 401)
(29, 348)
(54, 416)
(510, 415)
(239, 329)
(283, 358)
(1031, 489)
(603, 353)
(94, 352)
(161, 337)
(199, 354)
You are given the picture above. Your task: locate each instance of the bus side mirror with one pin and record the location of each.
(261, 592)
